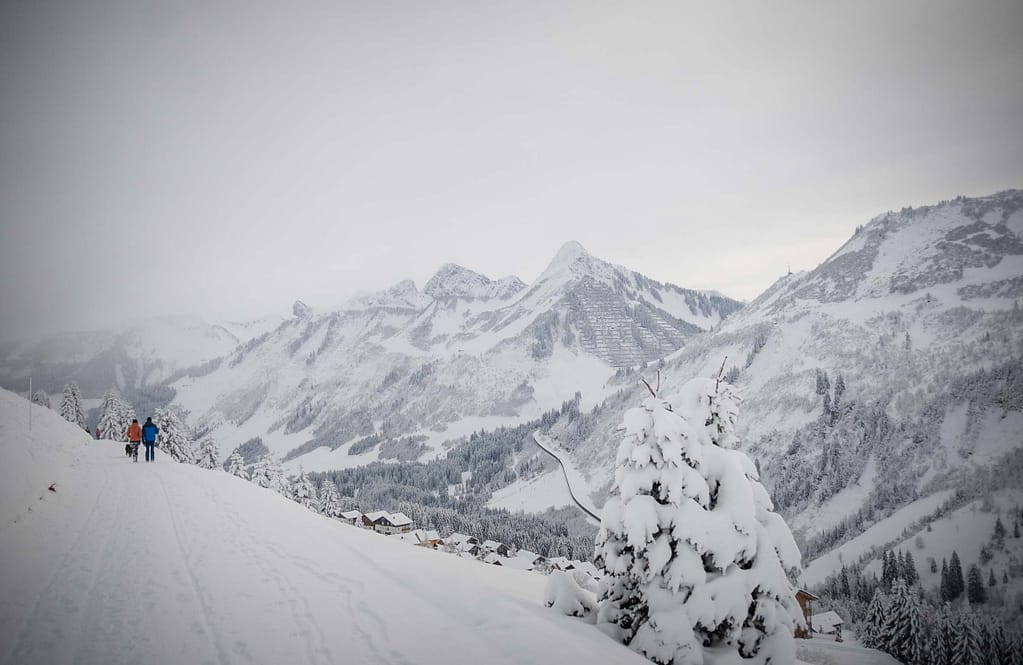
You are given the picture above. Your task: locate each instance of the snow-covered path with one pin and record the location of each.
(169, 563)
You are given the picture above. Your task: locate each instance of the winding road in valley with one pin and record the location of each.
(571, 475)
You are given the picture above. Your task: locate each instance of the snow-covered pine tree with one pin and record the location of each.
(904, 630)
(41, 398)
(873, 624)
(943, 639)
(330, 504)
(261, 472)
(975, 592)
(115, 417)
(71, 406)
(909, 569)
(945, 586)
(209, 456)
(174, 438)
(956, 582)
(278, 482)
(695, 560)
(237, 465)
(968, 649)
(304, 492)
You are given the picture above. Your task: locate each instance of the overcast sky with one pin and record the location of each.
(227, 158)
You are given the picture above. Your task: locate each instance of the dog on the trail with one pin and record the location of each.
(127, 450)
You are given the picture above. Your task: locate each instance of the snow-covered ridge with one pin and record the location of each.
(454, 281)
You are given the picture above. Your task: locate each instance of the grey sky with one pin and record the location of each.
(228, 158)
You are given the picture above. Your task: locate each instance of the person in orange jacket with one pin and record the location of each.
(135, 437)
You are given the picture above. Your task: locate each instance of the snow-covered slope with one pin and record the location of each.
(918, 315)
(169, 563)
(141, 354)
(416, 368)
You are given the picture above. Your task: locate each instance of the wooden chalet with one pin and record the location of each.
(805, 600)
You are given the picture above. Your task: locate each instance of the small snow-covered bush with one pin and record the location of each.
(565, 596)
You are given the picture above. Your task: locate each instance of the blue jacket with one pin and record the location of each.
(149, 431)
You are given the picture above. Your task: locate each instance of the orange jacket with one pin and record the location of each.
(135, 432)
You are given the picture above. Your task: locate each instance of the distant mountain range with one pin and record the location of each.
(883, 389)
(412, 369)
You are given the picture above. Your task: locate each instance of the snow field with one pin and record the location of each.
(171, 563)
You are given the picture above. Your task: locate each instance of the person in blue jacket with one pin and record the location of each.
(149, 431)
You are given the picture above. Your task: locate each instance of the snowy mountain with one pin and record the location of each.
(143, 353)
(393, 375)
(889, 375)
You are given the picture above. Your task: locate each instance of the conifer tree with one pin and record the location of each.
(945, 588)
(71, 406)
(873, 623)
(904, 629)
(1015, 529)
(209, 456)
(694, 557)
(945, 632)
(237, 465)
(999, 536)
(909, 569)
(41, 398)
(115, 417)
(330, 504)
(956, 583)
(304, 492)
(262, 475)
(975, 592)
(968, 649)
(174, 438)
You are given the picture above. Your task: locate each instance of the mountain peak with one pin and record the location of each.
(454, 281)
(301, 310)
(573, 260)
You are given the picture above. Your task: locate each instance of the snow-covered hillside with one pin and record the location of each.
(891, 373)
(132, 357)
(169, 563)
(396, 374)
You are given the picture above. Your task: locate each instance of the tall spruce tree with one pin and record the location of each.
(330, 504)
(945, 587)
(304, 492)
(262, 475)
(956, 582)
(174, 438)
(873, 635)
(209, 456)
(236, 466)
(975, 592)
(694, 558)
(71, 406)
(904, 630)
(115, 417)
(968, 649)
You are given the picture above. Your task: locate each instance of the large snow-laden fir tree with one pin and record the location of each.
(209, 456)
(174, 438)
(71, 406)
(236, 466)
(330, 500)
(115, 417)
(304, 492)
(696, 563)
